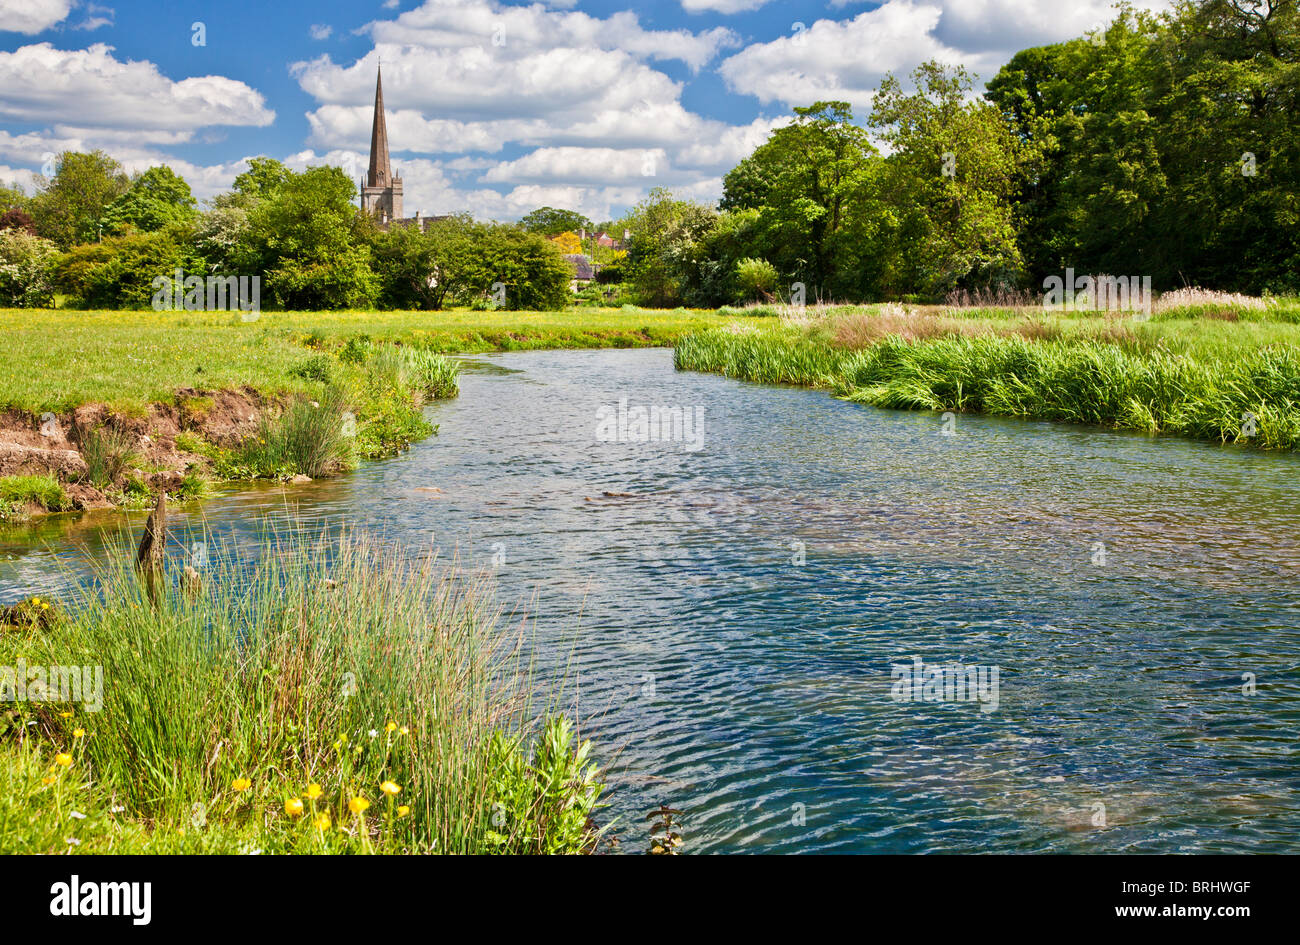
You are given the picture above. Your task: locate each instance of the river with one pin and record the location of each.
(730, 617)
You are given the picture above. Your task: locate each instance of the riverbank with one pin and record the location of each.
(1229, 374)
(314, 696)
(103, 409)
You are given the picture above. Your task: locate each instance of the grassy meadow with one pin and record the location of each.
(60, 359)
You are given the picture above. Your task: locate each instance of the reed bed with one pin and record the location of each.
(1119, 373)
(309, 696)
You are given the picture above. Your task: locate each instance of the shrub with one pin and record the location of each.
(26, 269)
(542, 804)
(756, 279)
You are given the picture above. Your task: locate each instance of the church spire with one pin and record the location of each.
(381, 173)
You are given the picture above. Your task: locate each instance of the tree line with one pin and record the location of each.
(1164, 146)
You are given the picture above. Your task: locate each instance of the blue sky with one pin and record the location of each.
(494, 107)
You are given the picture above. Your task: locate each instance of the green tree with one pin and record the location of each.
(69, 207)
(156, 198)
(310, 244)
(802, 182)
(425, 269)
(550, 221)
(528, 267)
(667, 247)
(948, 186)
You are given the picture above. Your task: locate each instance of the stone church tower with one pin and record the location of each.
(381, 192)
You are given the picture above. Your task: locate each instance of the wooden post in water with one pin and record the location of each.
(149, 558)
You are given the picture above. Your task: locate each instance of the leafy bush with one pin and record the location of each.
(26, 269)
(318, 367)
(756, 279)
(543, 804)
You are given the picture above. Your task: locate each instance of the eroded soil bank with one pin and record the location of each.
(55, 444)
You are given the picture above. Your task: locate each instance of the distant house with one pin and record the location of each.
(583, 271)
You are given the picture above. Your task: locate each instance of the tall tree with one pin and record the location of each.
(69, 207)
(801, 182)
(949, 184)
(156, 198)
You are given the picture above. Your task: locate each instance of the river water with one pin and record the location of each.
(729, 620)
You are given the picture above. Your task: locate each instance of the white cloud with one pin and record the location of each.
(582, 166)
(320, 31)
(846, 59)
(441, 24)
(840, 59)
(721, 6)
(20, 178)
(32, 16)
(96, 16)
(91, 87)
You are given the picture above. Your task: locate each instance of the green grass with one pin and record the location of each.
(132, 359)
(331, 663)
(1210, 379)
(17, 493)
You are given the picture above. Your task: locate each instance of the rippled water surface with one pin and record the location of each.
(731, 624)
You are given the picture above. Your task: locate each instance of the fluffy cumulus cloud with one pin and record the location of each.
(32, 16)
(572, 106)
(721, 6)
(846, 58)
(92, 87)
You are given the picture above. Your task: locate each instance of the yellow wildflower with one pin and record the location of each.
(314, 791)
(322, 821)
(241, 784)
(403, 810)
(63, 758)
(358, 805)
(390, 727)
(78, 733)
(293, 806)
(389, 788)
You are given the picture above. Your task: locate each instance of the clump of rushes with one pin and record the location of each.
(108, 453)
(300, 685)
(308, 437)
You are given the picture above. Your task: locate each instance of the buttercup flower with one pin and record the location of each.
(389, 788)
(241, 784)
(358, 805)
(314, 791)
(390, 727)
(293, 806)
(403, 810)
(322, 821)
(63, 758)
(78, 732)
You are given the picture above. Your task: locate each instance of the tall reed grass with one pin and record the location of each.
(1247, 395)
(385, 682)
